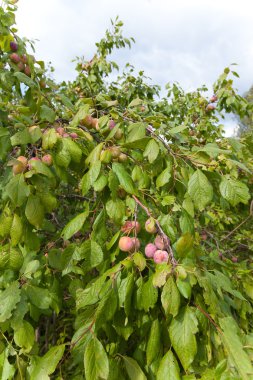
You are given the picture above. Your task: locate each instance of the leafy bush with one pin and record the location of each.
(88, 162)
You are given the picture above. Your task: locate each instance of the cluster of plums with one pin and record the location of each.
(155, 250)
(62, 133)
(24, 164)
(19, 60)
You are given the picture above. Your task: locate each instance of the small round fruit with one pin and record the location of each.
(47, 159)
(118, 134)
(150, 249)
(15, 58)
(87, 121)
(150, 226)
(18, 168)
(27, 71)
(126, 244)
(136, 244)
(159, 242)
(22, 159)
(161, 256)
(13, 46)
(111, 124)
(210, 107)
(65, 134)
(234, 259)
(115, 150)
(60, 130)
(23, 58)
(131, 225)
(73, 135)
(213, 99)
(20, 66)
(122, 157)
(42, 83)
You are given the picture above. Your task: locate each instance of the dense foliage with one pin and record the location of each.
(86, 163)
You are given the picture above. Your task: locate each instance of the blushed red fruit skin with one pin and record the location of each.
(210, 107)
(65, 135)
(161, 256)
(131, 225)
(213, 99)
(22, 159)
(126, 244)
(73, 135)
(27, 71)
(111, 124)
(23, 58)
(13, 46)
(150, 249)
(47, 159)
(20, 66)
(15, 58)
(60, 130)
(136, 244)
(159, 242)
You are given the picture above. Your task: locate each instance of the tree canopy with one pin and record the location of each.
(125, 225)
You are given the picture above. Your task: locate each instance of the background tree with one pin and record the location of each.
(126, 223)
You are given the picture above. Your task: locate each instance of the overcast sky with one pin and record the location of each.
(188, 41)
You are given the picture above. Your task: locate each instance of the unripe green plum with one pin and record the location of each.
(161, 256)
(126, 244)
(115, 150)
(150, 226)
(150, 249)
(118, 134)
(122, 157)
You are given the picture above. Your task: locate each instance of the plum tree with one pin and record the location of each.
(85, 292)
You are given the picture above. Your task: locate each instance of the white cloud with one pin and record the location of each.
(185, 41)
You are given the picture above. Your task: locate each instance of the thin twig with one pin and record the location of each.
(236, 228)
(209, 318)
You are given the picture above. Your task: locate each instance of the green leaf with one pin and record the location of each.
(96, 254)
(178, 129)
(49, 138)
(124, 178)
(200, 190)
(73, 149)
(18, 190)
(47, 364)
(184, 244)
(21, 138)
(125, 293)
(116, 210)
(149, 295)
(234, 348)
(24, 336)
(182, 334)
(90, 177)
(151, 151)
(23, 78)
(16, 230)
(139, 261)
(234, 191)
(75, 224)
(133, 369)
(170, 297)
(80, 115)
(34, 211)
(38, 296)
(163, 177)
(94, 154)
(47, 113)
(96, 364)
(168, 368)
(8, 300)
(154, 342)
(136, 132)
(40, 168)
